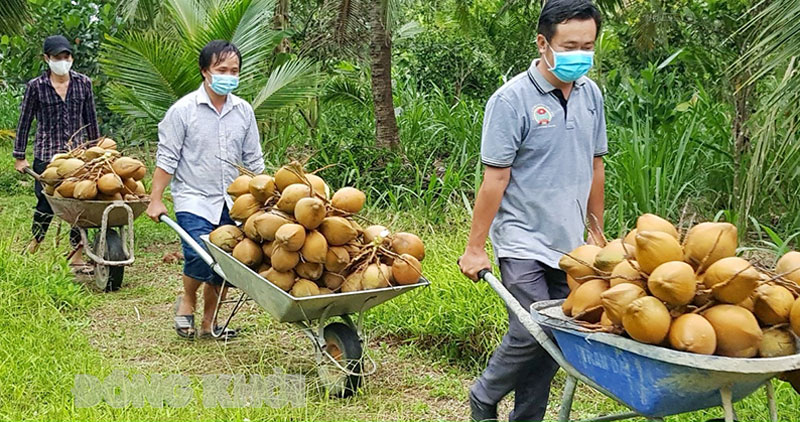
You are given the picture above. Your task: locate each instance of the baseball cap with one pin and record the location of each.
(56, 44)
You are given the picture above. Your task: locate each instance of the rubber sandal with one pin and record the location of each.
(228, 334)
(184, 324)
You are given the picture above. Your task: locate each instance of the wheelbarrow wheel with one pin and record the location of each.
(109, 277)
(344, 345)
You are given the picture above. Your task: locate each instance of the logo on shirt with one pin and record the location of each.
(542, 115)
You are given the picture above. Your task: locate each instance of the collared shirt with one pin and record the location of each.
(196, 143)
(58, 120)
(550, 147)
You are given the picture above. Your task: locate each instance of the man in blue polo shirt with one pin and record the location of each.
(544, 136)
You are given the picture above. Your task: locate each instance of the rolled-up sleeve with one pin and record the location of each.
(171, 134)
(502, 133)
(252, 156)
(27, 112)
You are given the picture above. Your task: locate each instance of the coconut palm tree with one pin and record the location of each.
(13, 13)
(150, 70)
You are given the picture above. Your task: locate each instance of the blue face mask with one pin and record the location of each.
(224, 84)
(568, 66)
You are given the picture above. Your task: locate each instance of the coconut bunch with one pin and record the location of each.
(298, 236)
(692, 294)
(99, 173)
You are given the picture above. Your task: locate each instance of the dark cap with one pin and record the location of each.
(56, 44)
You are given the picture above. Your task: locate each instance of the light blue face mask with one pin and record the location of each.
(224, 84)
(568, 66)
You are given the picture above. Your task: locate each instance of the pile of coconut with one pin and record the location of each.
(692, 294)
(98, 173)
(298, 236)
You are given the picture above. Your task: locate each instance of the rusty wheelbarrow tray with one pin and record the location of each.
(652, 381)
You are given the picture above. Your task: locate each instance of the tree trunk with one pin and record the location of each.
(280, 22)
(380, 52)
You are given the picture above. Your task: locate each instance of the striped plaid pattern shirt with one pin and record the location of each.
(57, 119)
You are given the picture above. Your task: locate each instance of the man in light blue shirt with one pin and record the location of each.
(544, 136)
(199, 135)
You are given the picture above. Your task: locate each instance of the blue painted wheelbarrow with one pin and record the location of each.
(652, 381)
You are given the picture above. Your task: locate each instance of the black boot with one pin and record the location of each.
(481, 412)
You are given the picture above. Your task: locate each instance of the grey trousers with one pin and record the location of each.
(520, 364)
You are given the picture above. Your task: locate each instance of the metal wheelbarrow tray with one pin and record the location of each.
(89, 214)
(653, 381)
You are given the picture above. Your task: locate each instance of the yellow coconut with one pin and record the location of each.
(406, 269)
(283, 260)
(109, 184)
(605, 321)
(578, 262)
(654, 223)
(788, 266)
(337, 230)
(268, 224)
(408, 243)
(332, 281)
(267, 248)
(353, 282)
(571, 283)
(348, 199)
(748, 303)
(285, 177)
(129, 186)
(309, 270)
(93, 152)
(107, 143)
(85, 189)
(50, 190)
(325, 291)
(794, 317)
(773, 304)
(319, 186)
(71, 167)
(707, 243)
(315, 248)
(291, 195)
(692, 333)
(647, 320)
(126, 166)
(731, 279)
(67, 188)
(616, 299)
(336, 259)
(310, 212)
(654, 248)
(627, 272)
(262, 187)
(738, 333)
(283, 279)
(587, 303)
(240, 186)
(244, 206)
(50, 176)
(248, 253)
(612, 254)
(566, 306)
(249, 227)
(673, 282)
(777, 342)
(303, 288)
(376, 276)
(630, 238)
(103, 197)
(291, 237)
(140, 173)
(375, 231)
(226, 237)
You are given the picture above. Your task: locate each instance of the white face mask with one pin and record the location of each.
(60, 67)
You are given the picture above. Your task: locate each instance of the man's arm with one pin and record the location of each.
(171, 134)
(27, 112)
(596, 205)
(475, 259)
(90, 115)
(160, 181)
(252, 156)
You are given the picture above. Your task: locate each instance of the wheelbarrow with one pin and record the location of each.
(338, 346)
(652, 381)
(106, 229)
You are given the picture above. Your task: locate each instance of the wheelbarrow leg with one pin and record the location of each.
(773, 410)
(566, 400)
(727, 403)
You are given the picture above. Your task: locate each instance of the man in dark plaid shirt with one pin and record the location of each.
(63, 104)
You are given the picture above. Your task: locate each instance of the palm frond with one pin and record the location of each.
(13, 14)
(143, 10)
(189, 16)
(290, 83)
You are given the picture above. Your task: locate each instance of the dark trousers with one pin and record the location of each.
(43, 214)
(519, 363)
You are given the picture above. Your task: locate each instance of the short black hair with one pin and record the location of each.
(555, 12)
(217, 50)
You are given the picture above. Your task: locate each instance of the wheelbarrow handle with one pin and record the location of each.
(29, 171)
(186, 237)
